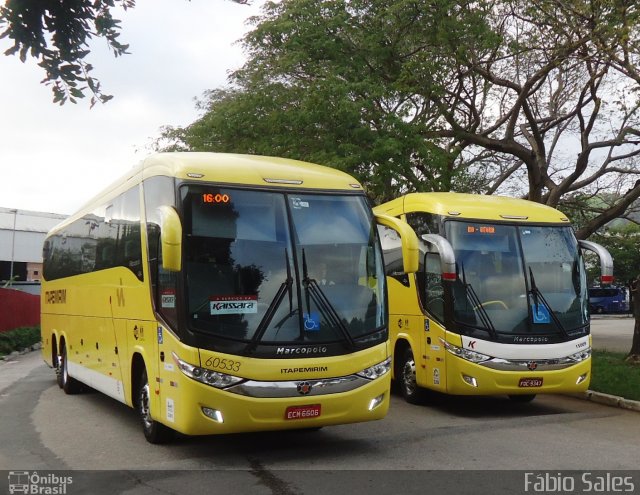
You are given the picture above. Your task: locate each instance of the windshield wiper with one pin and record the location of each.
(475, 300)
(313, 289)
(535, 292)
(273, 307)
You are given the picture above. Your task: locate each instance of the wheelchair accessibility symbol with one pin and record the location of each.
(540, 314)
(311, 322)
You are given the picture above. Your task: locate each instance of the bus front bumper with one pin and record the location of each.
(467, 378)
(199, 409)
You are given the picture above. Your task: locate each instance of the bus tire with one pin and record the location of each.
(154, 432)
(522, 399)
(409, 387)
(67, 383)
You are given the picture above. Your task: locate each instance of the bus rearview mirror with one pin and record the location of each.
(170, 239)
(409, 241)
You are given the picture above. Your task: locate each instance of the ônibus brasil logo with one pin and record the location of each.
(38, 484)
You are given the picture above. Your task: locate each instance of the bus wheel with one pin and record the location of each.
(59, 369)
(154, 432)
(67, 383)
(522, 398)
(409, 387)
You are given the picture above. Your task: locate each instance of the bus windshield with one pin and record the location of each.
(270, 268)
(518, 280)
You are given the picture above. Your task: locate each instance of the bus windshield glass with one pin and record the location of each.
(518, 280)
(266, 267)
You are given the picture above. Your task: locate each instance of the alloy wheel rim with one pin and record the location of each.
(409, 377)
(145, 412)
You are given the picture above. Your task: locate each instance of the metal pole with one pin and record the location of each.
(13, 245)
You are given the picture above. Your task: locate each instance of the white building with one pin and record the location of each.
(22, 234)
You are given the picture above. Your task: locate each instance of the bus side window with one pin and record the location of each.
(432, 293)
(127, 220)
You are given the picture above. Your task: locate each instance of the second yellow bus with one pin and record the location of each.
(499, 304)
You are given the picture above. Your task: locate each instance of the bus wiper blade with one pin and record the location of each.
(477, 305)
(535, 292)
(319, 297)
(273, 307)
(323, 303)
(292, 311)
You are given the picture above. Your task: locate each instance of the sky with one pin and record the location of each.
(55, 158)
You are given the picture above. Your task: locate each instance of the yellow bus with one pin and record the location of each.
(220, 293)
(499, 304)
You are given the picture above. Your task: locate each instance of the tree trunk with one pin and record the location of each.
(634, 353)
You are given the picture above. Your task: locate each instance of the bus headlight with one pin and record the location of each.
(467, 354)
(208, 377)
(377, 370)
(581, 356)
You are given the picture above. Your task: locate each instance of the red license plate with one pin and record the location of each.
(530, 382)
(302, 412)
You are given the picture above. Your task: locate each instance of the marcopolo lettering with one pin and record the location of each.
(530, 340)
(290, 351)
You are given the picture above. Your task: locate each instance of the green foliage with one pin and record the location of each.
(620, 237)
(18, 339)
(611, 374)
(344, 84)
(623, 243)
(429, 95)
(56, 33)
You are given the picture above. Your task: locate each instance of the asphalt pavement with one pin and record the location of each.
(612, 332)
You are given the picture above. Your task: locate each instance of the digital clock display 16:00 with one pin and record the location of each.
(212, 199)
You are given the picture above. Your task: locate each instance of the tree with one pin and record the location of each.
(556, 99)
(56, 33)
(622, 243)
(532, 98)
(329, 82)
(412, 95)
(634, 354)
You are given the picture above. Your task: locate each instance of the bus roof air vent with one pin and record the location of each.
(283, 181)
(514, 217)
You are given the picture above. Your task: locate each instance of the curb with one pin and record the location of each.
(15, 354)
(609, 400)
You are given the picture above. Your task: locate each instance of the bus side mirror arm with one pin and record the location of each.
(447, 255)
(409, 239)
(606, 262)
(170, 239)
